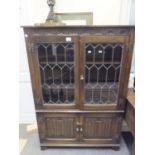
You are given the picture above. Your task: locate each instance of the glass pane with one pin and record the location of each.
(56, 63)
(108, 53)
(102, 72)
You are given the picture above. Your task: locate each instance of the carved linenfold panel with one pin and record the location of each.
(60, 127)
(100, 127)
(117, 129)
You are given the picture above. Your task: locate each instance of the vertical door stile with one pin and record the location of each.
(77, 70)
(124, 63)
(81, 72)
(81, 120)
(36, 81)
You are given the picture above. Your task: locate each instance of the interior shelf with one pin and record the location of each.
(54, 62)
(58, 86)
(105, 62)
(101, 93)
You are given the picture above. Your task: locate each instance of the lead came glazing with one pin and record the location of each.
(56, 63)
(102, 71)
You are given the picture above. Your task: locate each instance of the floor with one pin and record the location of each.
(29, 145)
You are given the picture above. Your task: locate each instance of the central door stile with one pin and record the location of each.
(77, 72)
(79, 127)
(81, 72)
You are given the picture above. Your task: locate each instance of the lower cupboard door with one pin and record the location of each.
(102, 128)
(57, 128)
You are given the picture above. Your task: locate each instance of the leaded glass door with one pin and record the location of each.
(101, 70)
(57, 59)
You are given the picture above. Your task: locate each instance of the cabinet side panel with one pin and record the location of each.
(33, 66)
(126, 68)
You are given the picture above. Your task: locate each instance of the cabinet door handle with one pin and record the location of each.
(77, 129)
(81, 77)
(81, 129)
(78, 123)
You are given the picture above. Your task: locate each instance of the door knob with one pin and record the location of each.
(81, 129)
(81, 77)
(77, 129)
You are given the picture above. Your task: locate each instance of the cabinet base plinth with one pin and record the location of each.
(43, 147)
(116, 148)
(50, 145)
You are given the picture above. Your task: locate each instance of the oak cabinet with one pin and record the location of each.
(79, 79)
(103, 126)
(56, 127)
(83, 128)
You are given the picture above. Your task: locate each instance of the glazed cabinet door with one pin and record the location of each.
(55, 128)
(103, 65)
(54, 71)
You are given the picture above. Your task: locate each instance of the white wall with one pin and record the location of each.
(132, 22)
(34, 11)
(106, 12)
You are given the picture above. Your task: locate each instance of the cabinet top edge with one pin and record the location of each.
(78, 111)
(79, 26)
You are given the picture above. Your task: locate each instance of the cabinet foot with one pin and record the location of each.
(43, 147)
(116, 148)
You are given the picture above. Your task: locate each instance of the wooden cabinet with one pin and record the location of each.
(79, 78)
(101, 126)
(56, 127)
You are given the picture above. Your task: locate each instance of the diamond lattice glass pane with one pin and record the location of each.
(93, 74)
(60, 50)
(56, 63)
(89, 53)
(42, 53)
(111, 74)
(102, 72)
(108, 53)
(117, 53)
(99, 53)
(51, 53)
(69, 54)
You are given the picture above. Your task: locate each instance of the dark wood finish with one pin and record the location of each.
(100, 127)
(57, 127)
(130, 116)
(52, 39)
(78, 124)
(79, 144)
(79, 129)
(116, 148)
(78, 30)
(43, 147)
(126, 69)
